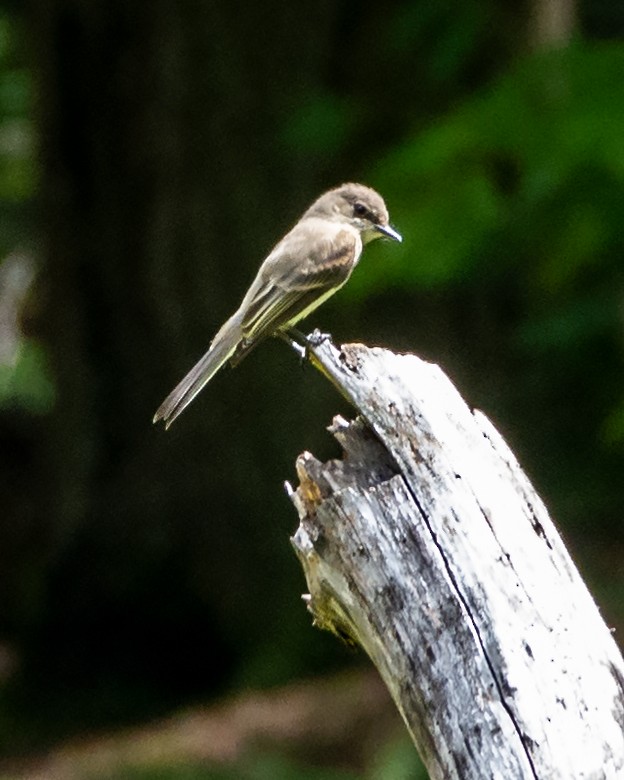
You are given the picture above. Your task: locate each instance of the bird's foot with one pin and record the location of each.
(317, 337)
(303, 344)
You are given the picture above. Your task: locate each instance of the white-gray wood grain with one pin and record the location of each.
(428, 546)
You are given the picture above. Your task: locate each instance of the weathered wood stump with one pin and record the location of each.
(427, 546)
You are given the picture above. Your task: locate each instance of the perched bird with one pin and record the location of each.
(308, 265)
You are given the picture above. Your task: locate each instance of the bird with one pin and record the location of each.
(310, 263)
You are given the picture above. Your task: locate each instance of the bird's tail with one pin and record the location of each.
(222, 348)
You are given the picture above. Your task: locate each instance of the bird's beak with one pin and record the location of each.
(388, 231)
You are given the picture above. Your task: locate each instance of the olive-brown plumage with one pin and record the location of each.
(308, 265)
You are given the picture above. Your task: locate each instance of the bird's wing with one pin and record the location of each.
(307, 266)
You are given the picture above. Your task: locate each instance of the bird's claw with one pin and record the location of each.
(317, 337)
(303, 345)
(314, 339)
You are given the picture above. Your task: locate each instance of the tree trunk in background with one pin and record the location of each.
(160, 196)
(145, 174)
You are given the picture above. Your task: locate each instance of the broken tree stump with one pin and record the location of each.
(427, 546)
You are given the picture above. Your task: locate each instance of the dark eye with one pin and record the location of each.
(359, 209)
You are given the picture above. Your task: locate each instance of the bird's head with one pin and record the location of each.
(359, 206)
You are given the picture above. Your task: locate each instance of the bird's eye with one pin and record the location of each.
(359, 209)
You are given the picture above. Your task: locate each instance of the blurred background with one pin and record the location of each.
(150, 155)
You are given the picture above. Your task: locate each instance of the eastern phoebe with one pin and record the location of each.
(308, 265)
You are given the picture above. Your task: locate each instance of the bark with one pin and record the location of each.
(428, 547)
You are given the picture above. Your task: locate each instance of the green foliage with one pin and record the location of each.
(517, 196)
(398, 760)
(279, 767)
(530, 172)
(17, 163)
(321, 126)
(444, 49)
(260, 766)
(25, 381)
